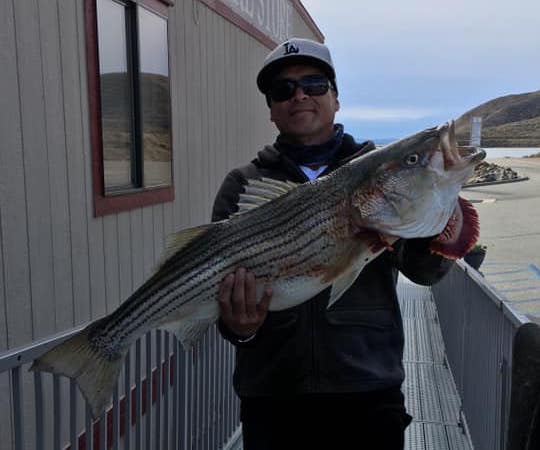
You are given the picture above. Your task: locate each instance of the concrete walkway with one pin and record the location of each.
(510, 227)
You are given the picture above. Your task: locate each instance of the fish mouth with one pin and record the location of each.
(457, 157)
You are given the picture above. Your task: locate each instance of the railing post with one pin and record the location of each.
(16, 380)
(73, 414)
(148, 393)
(127, 401)
(38, 390)
(503, 384)
(204, 424)
(524, 423)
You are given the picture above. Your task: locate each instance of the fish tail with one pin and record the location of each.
(94, 373)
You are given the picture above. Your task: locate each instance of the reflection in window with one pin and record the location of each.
(116, 107)
(154, 94)
(135, 97)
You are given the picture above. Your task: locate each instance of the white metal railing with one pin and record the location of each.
(169, 399)
(478, 328)
(165, 398)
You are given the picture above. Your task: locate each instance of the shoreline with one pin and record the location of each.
(517, 161)
(504, 170)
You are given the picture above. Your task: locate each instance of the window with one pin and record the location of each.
(129, 103)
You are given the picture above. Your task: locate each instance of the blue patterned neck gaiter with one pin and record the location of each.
(308, 155)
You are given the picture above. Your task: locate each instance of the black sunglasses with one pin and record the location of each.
(283, 89)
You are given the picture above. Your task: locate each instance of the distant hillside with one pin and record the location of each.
(116, 116)
(154, 90)
(509, 121)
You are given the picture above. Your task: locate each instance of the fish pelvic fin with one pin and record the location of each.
(95, 374)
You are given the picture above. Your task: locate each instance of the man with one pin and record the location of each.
(309, 376)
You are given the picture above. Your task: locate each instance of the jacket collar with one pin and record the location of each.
(270, 156)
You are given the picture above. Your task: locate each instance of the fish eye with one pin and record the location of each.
(412, 159)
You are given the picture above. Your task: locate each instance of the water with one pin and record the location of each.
(514, 152)
(492, 152)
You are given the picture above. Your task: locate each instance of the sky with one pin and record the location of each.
(406, 65)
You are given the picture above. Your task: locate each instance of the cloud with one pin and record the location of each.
(374, 113)
(420, 37)
(404, 64)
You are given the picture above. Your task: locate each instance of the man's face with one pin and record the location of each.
(304, 119)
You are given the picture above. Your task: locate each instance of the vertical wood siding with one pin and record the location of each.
(59, 265)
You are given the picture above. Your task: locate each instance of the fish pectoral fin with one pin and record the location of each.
(341, 284)
(176, 241)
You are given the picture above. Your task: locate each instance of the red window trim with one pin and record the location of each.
(109, 204)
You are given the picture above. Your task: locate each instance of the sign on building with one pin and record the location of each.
(271, 17)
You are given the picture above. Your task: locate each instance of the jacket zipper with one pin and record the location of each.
(315, 367)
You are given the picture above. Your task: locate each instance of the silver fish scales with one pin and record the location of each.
(300, 239)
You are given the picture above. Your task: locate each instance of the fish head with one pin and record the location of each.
(410, 188)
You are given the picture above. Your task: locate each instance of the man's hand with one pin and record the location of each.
(240, 311)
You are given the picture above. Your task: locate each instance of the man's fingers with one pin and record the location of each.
(262, 307)
(250, 295)
(224, 295)
(239, 308)
(239, 292)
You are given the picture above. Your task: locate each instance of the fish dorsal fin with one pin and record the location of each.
(259, 192)
(177, 241)
(274, 184)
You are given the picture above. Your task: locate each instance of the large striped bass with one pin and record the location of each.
(299, 238)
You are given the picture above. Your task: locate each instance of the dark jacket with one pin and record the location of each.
(357, 344)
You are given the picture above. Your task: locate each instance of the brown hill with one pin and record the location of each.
(154, 91)
(508, 121)
(116, 116)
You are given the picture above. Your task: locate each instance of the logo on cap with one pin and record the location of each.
(290, 48)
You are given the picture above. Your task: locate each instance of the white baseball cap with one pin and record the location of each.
(295, 51)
